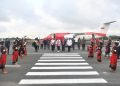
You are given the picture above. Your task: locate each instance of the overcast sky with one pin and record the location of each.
(41, 17)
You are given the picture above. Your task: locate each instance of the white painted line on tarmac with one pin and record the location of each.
(61, 64)
(61, 57)
(65, 67)
(62, 81)
(62, 73)
(61, 53)
(60, 60)
(12, 65)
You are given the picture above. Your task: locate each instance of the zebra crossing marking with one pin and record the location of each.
(61, 64)
(72, 64)
(61, 53)
(61, 57)
(62, 73)
(60, 60)
(64, 67)
(62, 81)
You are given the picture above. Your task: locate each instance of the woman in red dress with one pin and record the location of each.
(99, 53)
(113, 58)
(3, 58)
(15, 54)
(90, 50)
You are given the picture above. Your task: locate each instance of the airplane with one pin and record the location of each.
(102, 32)
(87, 35)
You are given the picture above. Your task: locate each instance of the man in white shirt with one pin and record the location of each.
(69, 44)
(52, 42)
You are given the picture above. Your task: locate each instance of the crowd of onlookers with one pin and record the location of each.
(59, 44)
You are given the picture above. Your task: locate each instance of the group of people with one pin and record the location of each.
(95, 46)
(19, 49)
(110, 47)
(59, 44)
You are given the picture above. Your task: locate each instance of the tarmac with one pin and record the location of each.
(46, 68)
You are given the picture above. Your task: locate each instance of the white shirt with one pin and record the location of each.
(69, 42)
(52, 42)
(58, 42)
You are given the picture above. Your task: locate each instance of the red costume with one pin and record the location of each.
(15, 55)
(90, 51)
(97, 41)
(99, 53)
(93, 42)
(3, 59)
(113, 59)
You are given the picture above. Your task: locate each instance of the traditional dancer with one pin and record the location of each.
(3, 58)
(113, 58)
(90, 50)
(15, 54)
(99, 54)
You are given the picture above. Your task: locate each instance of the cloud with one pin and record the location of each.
(40, 17)
(82, 13)
(3, 16)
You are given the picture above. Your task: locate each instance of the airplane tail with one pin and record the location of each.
(104, 28)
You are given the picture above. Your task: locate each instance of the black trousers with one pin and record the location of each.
(48, 47)
(21, 51)
(79, 46)
(36, 48)
(41, 46)
(69, 48)
(45, 46)
(58, 48)
(73, 46)
(107, 53)
(2, 66)
(53, 47)
(83, 46)
(63, 47)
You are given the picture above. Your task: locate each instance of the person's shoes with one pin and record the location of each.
(16, 63)
(111, 70)
(5, 71)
